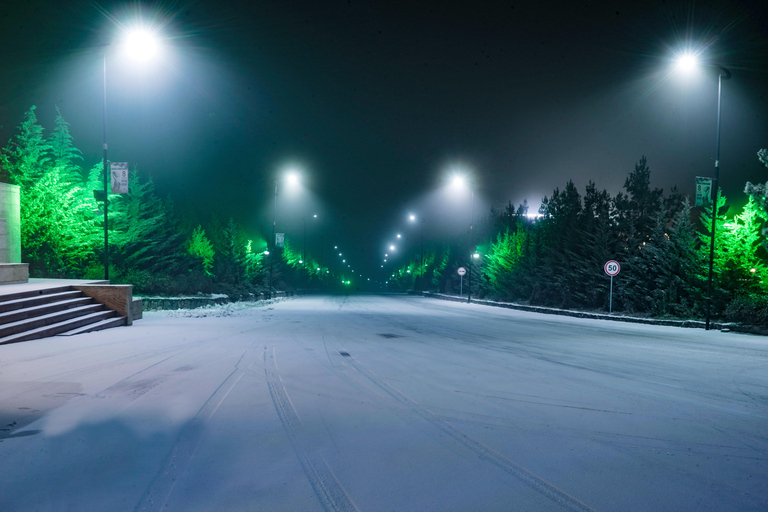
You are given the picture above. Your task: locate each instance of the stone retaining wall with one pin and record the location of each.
(172, 303)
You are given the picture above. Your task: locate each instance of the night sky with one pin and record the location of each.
(376, 101)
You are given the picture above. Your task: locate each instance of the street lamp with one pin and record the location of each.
(459, 181)
(304, 242)
(292, 177)
(413, 218)
(141, 45)
(688, 62)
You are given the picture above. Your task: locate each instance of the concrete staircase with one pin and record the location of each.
(35, 314)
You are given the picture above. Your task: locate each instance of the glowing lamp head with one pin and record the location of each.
(142, 44)
(412, 217)
(391, 247)
(687, 63)
(292, 178)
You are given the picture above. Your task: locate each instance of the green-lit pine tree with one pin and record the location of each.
(201, 249)
(27, 155)
(63, 151)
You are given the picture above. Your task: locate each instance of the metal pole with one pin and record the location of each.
(610, 300)
(106, 178)
(422, 253)
(724, 75)
(272, 252)
(471, 253)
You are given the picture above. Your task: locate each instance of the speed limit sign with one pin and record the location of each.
(612, 268)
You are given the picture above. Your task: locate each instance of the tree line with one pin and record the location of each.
(661, 240)
(153, 245)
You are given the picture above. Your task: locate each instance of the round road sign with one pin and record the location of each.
(612, 268)
(462, 271)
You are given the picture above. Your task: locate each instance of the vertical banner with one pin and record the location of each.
(119, 177)
(279, 239)
(703, 191)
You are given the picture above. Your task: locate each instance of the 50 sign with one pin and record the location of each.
(612, 268)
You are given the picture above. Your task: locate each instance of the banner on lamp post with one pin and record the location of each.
(119, 171)
(703, 191)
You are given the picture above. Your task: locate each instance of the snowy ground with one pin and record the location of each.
(384, 404)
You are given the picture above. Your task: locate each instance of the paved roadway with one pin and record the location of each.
(384, 403)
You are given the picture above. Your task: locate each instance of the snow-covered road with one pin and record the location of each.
(384, 403)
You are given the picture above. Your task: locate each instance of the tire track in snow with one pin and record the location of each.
(536, 483)
(159, 490)
(329, 491)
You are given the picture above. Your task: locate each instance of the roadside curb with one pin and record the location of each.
(173, 303)
(696, 324)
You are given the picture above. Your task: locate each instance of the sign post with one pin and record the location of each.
(279, 239)
(612, 268)
(461, 271)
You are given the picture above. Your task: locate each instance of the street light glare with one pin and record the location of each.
(458, 181)
(412, 217)
(142, 44)
(292, 178)
(687, 62)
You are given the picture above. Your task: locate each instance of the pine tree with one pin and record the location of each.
(27, 155)
(63, 151)
(201, 248)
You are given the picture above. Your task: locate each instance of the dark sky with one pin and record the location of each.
(377, 100)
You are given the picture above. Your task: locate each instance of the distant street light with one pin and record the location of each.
(689, 62)
(141, 45)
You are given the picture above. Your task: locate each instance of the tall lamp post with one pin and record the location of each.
(688, 62)
(413, 218)
(140, 45)
(106, 176)
(724, 75)
(293, 179)
(460, 182)
(471, 252)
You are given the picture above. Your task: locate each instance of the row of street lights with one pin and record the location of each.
(143, 44)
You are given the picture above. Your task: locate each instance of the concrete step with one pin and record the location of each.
(118, 321)
(57, 328)
(35, 293)
(35, 300)
(51, 318)
(43, 309)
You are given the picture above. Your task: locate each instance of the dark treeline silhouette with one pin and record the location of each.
(661, 241)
